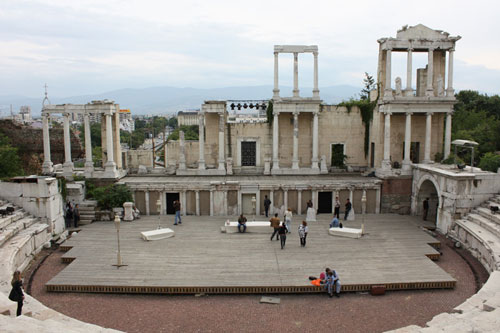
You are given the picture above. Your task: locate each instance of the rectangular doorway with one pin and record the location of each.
(415, 152)
(171, 197)
(324, 202)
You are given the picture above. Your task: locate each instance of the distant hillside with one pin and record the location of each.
(170, 99)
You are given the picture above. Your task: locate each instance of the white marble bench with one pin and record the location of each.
(346, 232)
(157, 234)
(261, 227)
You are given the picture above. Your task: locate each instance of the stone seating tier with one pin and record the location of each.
(260, 227)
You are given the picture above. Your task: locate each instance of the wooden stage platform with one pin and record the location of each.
(395, 252)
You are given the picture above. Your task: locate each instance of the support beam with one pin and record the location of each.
(183, 202)
(197, 202)
(285, 198)
(271, 197)
(211, 202)
(299, 202)
(110, 163)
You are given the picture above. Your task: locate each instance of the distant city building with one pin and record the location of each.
(188, 118)
(126, 121)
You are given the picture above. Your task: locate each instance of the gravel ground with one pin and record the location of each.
(352, 312)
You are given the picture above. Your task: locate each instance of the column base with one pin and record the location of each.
(450, 92)
(429, 93)
(406, 165)
(428, 161)
(386, 165)
(221, 165)
(276, 94)
(89, 169)
(47, 167)
(201, 165)
(276, 165)
(314, 164)
(408, 93)
(315, 94)
(182, 165)
(295, 165)
(388, 94)
(296, 93)
(68, 168)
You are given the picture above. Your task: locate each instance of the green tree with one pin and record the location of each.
(95, 134)
(490, 162)
(172, 122)
(369, 85)
(190, 133)
(111, 196)
(10, 163)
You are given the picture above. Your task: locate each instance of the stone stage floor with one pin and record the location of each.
(394, 251)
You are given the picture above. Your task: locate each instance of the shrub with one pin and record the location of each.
(111, 196)
(490, 162)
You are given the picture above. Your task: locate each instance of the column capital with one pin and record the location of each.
(449, 113)
(388, 113)
(276, 53)
(410, 49)
(296, 113)
(409, 113)
(451, 49)
(430, 113)
(316, 113)
(276, 113)
(431, 48)
(315, 53)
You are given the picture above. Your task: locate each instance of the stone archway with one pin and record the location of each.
(428, 188)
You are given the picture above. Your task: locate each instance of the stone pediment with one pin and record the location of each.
(420, 31)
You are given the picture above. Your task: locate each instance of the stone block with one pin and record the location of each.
(345, 232)
(128, 211)
(261, 227)
(157, 234)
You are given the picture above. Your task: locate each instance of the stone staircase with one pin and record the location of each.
(87, 212)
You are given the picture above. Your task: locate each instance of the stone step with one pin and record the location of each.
(485, 239)
(486, 213)
(13, 228)
(17, 215)
(485, 223)
(85, 221)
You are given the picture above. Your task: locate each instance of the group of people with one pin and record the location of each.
(331, 282)
(71, 215)
(282, 228)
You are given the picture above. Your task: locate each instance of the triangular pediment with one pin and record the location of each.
(420, 31)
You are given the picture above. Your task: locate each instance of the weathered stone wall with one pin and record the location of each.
(396, 195)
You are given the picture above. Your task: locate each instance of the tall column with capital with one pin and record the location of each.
(386, 163)
(201, 142)
(276, 159)
(295, 74)
(406, 160)
(409, 71)
(428, 133)
(221, 142)
(276, 90)
(47, 166)
(315, 141)
(388, 88)
(295, 158)
(197, 193)
(430, 73)
(449, 89)
(68, 164)
(183, 202)
(447, 136)
(315, 89)
(89, 164)
(110, 163)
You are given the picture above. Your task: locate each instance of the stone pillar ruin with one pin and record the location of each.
(447, 136)
(89, 164)
(428, 129)
(449, 89)
(182, 151)
(409, 89)
(314, 160)
(201, 139)
(315, 88)
(406, 160)
(295, 158)
(68, 164)
(388, 88)
(47, 166)
(276, 90)
(386, 163)
(110, 163)
(430, 73)
(296, 74)
(276, 161)
(221, 143)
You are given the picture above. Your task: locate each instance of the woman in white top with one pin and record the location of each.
(303, 230)
(288, 219)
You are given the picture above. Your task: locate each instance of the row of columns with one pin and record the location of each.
(386, 163)
(296, 92)
(430, 73)
(47, 166)
(295, 157)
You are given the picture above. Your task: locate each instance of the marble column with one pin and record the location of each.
(257, 202)
(315, 141)
(377, 201)
(314, 195)
(211, 202)
(407, 160)
(133, 194)
(299, 202)
(276, 160)
(225, 202)
(295, 74)
(163, 196)
(285, 198)
(146, 201)
(276, 90)
(409, 71)
(222, 164)
(295, 158)
(388, 88)
(183, 202)
(239, 204)
(428, 133)
(182, 152)
(447, 136)
(47, 166)
(271, 197)
(68, 164)
(197, 202)
(315, 89)
(89, 164)
(386, 163)
(430, 73)
(109, 143)
(450, 92)
(201, 142)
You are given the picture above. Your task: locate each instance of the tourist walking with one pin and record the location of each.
(177, 208)
(303, 230)
(282, 232)
(288, 219)
(348, 207)
(242, 222)
(76, 216)
(337, 207)
(267, 204)
(275, 223)
(16, 294)
(426, 208)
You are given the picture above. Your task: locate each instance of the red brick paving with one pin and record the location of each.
(352, 312)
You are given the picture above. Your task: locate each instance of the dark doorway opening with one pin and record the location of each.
(372, 155)
(415, 152)
(171, 197)
(248, 153)
(324, 202)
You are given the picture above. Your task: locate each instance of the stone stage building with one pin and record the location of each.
(299, 154)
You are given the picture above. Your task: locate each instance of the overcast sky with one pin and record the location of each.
(93, 46)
